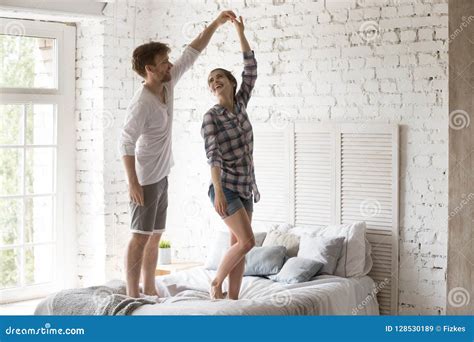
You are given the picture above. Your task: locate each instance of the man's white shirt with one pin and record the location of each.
(148, 125)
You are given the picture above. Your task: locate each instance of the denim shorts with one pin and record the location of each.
(234, 201)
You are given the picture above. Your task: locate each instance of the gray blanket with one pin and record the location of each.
(108, 300)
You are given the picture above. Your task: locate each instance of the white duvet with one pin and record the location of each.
(186, 293)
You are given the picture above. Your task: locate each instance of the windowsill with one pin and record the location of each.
(24, 308)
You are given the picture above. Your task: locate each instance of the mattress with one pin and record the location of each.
(186, 293)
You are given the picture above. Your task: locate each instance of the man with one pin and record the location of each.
(145, 146)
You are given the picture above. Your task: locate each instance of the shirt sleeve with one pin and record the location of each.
(183, 63)
(209, 133)
(133, 128)
(249, 76)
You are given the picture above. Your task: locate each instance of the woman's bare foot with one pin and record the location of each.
(216, 292)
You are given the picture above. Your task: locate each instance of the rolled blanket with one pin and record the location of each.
(108, 300)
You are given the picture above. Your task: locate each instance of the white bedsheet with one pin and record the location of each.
(186, 293)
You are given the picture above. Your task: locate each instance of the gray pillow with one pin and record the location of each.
(326, 250)
(221, 245)
(264, 261)
(297, 270)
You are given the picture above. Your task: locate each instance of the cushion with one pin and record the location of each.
(355, 259)
(325, 250)
(281, 227)
(264, 261)
(278, 238)
(221, 245)
(355, 253)
(305, 230)
(297, 270)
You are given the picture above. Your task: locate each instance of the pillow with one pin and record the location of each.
(277, 238)
(221, 245)
(263, 261)
(297, 270)
(326, 250)
(368, 259)
(355, 258)
(305, 230)
(281, 227)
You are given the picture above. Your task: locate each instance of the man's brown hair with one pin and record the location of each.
(145, 55)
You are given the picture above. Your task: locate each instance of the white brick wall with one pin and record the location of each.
(352, 61)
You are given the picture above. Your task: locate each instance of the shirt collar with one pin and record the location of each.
(221, 109)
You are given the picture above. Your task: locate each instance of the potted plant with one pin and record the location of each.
(164, 253)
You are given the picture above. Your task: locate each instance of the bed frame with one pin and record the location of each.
(315, 174)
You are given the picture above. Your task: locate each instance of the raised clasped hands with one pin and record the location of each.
(225, 16)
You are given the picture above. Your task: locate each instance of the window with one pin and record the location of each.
(27, 62)
(36, 157)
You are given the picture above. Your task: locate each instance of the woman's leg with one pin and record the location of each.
(235, 276)
(239, 225)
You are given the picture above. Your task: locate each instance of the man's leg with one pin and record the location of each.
(150, 258)
(133, 262)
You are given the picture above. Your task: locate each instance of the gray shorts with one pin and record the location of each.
(150, 218)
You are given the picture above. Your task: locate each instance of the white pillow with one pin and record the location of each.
(323, 249)
(221, 245)
(277, 238)
(280, 227)
(368, 257)
(305, 230)
(355, 259)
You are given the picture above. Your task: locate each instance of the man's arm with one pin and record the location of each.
(133, 128)
(191, 53)
(204, 37)
(134, 188)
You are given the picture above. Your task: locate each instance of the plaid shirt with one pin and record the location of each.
(228, 137)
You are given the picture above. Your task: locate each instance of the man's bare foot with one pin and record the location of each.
(150, 298)
(134, 293)
(152, 292)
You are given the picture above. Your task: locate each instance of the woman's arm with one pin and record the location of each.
(239, 26)
(214, 159)
(220, 202)
(249, 75)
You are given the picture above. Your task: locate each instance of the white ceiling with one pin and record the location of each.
(81, 7)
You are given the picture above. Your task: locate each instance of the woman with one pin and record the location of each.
(228, 138)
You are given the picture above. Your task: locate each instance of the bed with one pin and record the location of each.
(322, 295)
(357, 180)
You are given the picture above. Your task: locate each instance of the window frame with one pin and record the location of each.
(63, 97)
